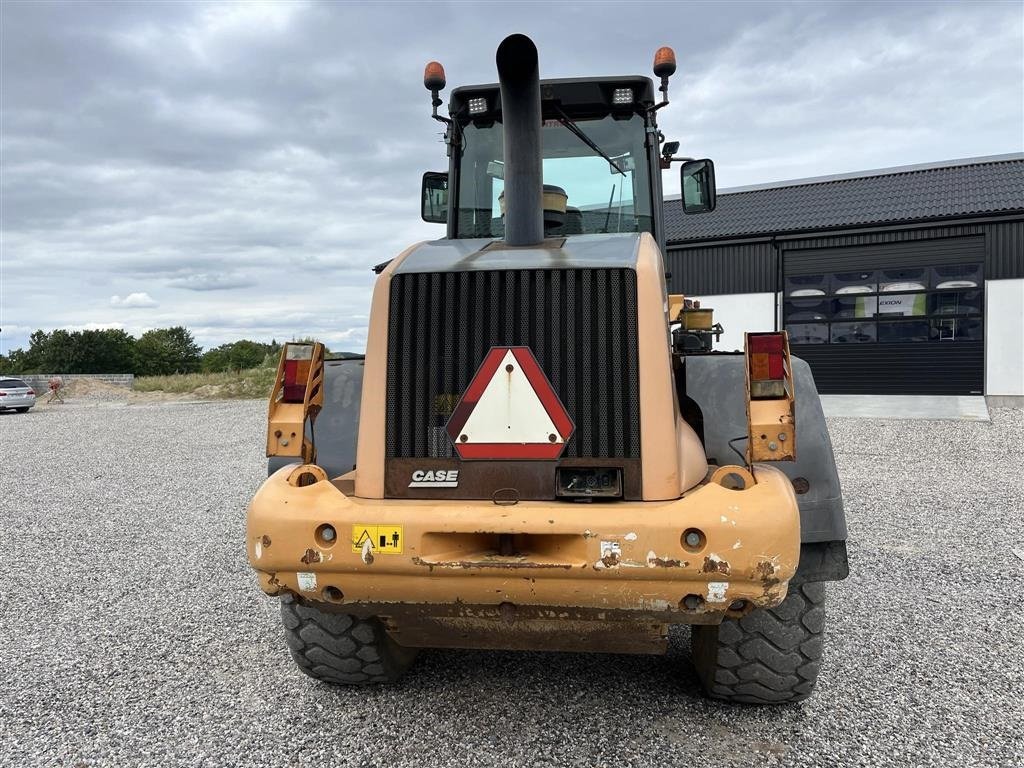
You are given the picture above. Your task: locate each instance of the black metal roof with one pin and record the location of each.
(577, 94)
(896, 195)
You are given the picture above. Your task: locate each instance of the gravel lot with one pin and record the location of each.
(134, 634)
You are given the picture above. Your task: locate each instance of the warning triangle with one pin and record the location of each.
(365, 535)
(509, 411)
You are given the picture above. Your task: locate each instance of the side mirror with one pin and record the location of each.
(434, 197)
(697, 179)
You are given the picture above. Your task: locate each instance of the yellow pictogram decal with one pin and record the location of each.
(384, 539)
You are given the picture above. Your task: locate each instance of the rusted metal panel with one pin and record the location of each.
(519, 633)
(556, 563)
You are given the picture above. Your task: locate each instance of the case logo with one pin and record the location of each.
(440, 478)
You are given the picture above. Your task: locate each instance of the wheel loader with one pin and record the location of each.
(540, 449)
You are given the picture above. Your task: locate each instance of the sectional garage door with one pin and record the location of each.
(896, 318)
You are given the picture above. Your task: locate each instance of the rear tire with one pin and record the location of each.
(339, 648)
(23, 410)
(770, 656)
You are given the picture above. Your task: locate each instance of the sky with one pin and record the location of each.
(239, 168)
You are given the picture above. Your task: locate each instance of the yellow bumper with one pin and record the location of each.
(555, 559)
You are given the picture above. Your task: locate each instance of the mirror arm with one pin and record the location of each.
(436, 102)
(664, 101)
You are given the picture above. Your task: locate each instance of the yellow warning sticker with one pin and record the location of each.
(379, 539)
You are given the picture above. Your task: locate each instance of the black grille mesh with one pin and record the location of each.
(580, 324)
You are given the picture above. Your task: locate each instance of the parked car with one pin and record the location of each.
(16, 395)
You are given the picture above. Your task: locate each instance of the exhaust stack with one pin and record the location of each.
(519, 77)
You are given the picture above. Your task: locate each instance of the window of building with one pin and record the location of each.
(900, 305)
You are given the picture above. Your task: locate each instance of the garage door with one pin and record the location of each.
(897, 318)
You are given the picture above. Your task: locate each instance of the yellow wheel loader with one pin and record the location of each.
(540, 450)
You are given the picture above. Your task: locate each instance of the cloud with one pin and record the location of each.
(234, 159)
(101, 326)
(211, 282)
(140, 300)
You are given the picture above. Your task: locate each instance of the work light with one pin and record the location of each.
(622, 96)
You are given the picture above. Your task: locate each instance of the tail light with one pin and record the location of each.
(295, 401)
(30, 391)
(3, 394)
(297, 361)
(766, 356)
(771, 408)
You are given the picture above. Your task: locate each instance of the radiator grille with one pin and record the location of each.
(580, 323)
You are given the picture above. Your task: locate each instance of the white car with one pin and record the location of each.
(16, 395)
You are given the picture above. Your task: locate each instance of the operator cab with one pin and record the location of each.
(586, 192)
(601, 158)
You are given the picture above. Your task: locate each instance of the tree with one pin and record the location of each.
(109, 350)
(112, 350)
(240, 355)
(166, 350)
(21, 361)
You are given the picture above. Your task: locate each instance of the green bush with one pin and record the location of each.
(240, 355)
(252, 383)
(162, 352)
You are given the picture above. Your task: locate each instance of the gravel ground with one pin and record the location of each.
(134, 634)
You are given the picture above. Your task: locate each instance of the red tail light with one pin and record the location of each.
(766, 353)
(297, 360)
(30, 391)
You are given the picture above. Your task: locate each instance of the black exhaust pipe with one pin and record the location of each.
(519, 76)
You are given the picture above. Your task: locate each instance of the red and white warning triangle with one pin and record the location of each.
(510, 411)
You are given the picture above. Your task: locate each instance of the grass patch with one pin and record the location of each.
(251, 383)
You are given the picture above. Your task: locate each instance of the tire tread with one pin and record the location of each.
(339, 648)
(769, 656)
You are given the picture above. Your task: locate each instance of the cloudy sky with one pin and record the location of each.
(237, 168)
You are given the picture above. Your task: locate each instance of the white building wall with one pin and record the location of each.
(1004, 337)
(740, 313)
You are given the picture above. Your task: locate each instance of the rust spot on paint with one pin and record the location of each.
(662, 562)
(312, 556)
(611, 560)
(714, 564)
(765, 570)
(496, 562)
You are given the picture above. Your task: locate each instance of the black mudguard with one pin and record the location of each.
(716, 385)
(337, 426)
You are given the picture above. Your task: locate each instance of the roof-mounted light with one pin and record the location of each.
(433, 76)
(434, 81)
(622, 96)
(477, 106)
(664, 68)
(664, 62)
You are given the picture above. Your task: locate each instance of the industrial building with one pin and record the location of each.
(905, 280)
